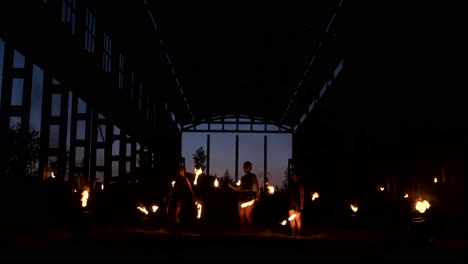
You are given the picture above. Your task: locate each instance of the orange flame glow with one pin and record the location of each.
(354, 207)
(143, 209)
(238, 183)
(84, 197)
(271, 189)
(422, 205)
(199, 207)
(216, 184)
(315, 195)
(292, 217)
(197, 172)
(247, 203)
(155, 208)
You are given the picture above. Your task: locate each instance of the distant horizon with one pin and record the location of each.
(222, 153)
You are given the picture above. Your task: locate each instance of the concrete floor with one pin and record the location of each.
(135, 245)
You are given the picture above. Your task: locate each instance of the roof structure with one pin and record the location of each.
(236, 61)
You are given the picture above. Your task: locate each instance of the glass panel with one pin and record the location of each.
(54, 131)
(55, 107)
(129, 149)
(101, 137)
(36, 100)
(127, 167)
(116, 130)
(81, 106)
(15, 122)
(79, 156)
(18, 60)
(230, 127)
(116, 148)
(17, 92)
(115, 168)
(99, 177)
(80, 129)
(244, 127)
(100, 157)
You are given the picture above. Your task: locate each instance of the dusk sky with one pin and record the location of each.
(223, 151)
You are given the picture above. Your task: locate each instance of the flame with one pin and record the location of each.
(155, 208)
(238, 183)
(422, 205)
(284, 222)
(271, 189)
(243, 205)
(292, 217)
(197, 172)
(382, 189)
(143, 209)
(84, 198)
(102, 186)
(315, 195)
(52, 175)
(74, 190)
(173, 183)
(216, 184)
(406, 195)
(199, 206)
(354, 207)
(435, 180)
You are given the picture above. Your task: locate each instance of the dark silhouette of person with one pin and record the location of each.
(247, 197)
(181, 194)
(296, 204)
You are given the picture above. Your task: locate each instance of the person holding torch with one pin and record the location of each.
(296, 204)
(247, 197)
(181, 194)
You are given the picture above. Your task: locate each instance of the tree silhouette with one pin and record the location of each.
(285, 182)
(199, 158)
(227, 178)
(19, 154)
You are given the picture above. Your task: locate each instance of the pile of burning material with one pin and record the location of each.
(355, 221)
(419, 225)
